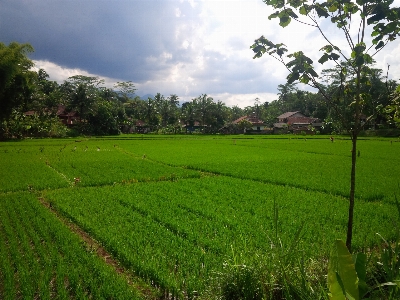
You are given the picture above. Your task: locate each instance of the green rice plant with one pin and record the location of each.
(20, 171)
(178, 234)
(41, 258)
(316, 164)
(172, 209)
(278, 274)
(100, 165)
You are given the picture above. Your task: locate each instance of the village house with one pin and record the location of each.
(67, 118)
(296, 123)
(256, 126)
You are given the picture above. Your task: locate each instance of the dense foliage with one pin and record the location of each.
(99, 110)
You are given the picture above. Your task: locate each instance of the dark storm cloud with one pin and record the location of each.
(108, 38)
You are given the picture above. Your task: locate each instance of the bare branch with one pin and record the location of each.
(363, 25)
(346, 32)
(304, 22)
(322, 33)
(359, 29)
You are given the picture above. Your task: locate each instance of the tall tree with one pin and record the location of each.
(82, 93)
(46, 95)
(151, 112)
(168, 109)
(188, 113)
(126, 90)
(135, 108)
(392, 111)
(376, 17)
(16, 77)
(203, 105)
(235, 113)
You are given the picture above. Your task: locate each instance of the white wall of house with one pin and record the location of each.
(259, 127)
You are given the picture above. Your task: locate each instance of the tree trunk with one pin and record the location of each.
(352, 190)
(354, 135)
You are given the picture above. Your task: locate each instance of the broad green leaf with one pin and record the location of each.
(303, 10)
(323, 58)
(333, 8)
(380, 45)
(327, 48)
(321, 12)
(284, 21)
(368, 58)
(274, 15)
(293, 77)
(360, 261)
(341, 266)
(359, 61)
(378, 38)
(375, 18)
(390, 27)
(281, 51)
(259, 48)
(312, 72)
(335, 56)
(359, 48)
(304, 79)
(374, 33)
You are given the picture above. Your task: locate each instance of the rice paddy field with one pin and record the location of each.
(173, 210)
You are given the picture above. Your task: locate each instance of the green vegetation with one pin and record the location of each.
(31, 105)
(192, 216)
(41, 259)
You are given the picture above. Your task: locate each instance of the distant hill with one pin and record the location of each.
(144, 97)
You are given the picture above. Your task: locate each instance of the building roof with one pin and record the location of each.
(61, 112)
(252, 119)
(301, 120)
(238, 120)
(287, 114)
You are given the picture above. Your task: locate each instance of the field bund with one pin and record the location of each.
(174, 210)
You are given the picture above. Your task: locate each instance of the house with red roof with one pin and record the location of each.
(257, 125)
(296, 122)
(68, 118)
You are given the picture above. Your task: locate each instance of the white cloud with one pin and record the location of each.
(59, 74)
(243, 100)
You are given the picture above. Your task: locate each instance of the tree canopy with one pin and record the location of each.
(16, 77)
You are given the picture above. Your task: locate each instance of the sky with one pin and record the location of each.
(183, 47)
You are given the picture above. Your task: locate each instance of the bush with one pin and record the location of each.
(241, 282)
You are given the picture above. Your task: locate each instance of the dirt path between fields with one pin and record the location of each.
(92, 245)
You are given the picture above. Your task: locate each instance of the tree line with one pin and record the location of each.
(103, 111)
